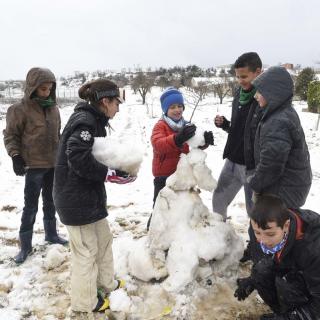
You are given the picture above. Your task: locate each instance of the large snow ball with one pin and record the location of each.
(123, 154)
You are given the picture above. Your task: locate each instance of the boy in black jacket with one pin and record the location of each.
(238, 151)
(285, 251)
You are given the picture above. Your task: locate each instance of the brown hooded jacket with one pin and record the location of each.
(33, 131)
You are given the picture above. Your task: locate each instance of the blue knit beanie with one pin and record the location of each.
(169, 97)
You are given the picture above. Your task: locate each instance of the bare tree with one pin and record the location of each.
(142, 83)
(223, 86)
(196, 94)
(163, 82)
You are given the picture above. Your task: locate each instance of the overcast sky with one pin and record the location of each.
(69, 35)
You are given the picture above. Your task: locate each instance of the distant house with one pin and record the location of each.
(288, 66)
(293, 70)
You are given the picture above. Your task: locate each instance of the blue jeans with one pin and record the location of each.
(35, 181)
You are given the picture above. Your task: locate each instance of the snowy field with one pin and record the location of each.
(39, 289)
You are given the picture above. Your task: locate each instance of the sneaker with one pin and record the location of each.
(102, 305)
(120, 284)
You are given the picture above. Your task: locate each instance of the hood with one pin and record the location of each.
(310, 217)
(276, 86)
(37, 76)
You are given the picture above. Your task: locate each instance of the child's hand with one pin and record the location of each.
(245, 288)
(119, 177)
(18, 165)
(221, 122)
(187, 132)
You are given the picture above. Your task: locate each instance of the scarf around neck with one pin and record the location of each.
(246, 96)
(174, 125)
(45, 103)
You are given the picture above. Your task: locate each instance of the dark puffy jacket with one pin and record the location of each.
(300, 257)
(241, 135)
(78, 190)
(166, 154)
(280, 150)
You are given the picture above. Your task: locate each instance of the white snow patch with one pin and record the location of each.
(56, 256)
(119, 301)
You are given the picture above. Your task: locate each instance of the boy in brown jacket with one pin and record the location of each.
(31, 138)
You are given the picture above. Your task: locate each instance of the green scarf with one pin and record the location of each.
(45, 103)
(246, 96)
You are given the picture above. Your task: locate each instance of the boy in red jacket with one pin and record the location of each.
(168, 138)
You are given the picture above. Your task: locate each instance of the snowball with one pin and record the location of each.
(198, 139)
(192, 171)
(56, 256)
(119, 301)
(119, 154)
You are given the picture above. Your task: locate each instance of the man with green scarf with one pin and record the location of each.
(31, 138)
(238, 151)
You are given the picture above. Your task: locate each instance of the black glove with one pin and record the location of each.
(122, 174)
(208, 138)
(185, 134)
(245, 288)
(225, 124)
(18, 165)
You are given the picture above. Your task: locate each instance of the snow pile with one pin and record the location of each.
(186, 241)
(55, 257)
(123, 154)
(119, 301)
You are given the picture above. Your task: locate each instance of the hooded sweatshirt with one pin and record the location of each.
(280, 151)
(33, 131)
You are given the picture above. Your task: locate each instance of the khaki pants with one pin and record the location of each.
(92, 263)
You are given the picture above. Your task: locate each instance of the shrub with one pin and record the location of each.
(313, 96)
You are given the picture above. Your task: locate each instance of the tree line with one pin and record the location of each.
(198, 81)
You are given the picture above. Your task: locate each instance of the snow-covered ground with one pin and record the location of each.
(39, 289)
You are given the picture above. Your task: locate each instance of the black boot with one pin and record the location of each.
(25, 246)
(51, 232)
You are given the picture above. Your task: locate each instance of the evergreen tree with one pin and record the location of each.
(314, 96)
(304, 78)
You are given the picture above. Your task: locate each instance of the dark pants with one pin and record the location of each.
(280, 293)
(159, 183)
(35, 181)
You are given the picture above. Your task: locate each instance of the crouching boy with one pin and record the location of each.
(286, 260)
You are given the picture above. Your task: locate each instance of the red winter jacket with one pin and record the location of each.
(165, 152)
